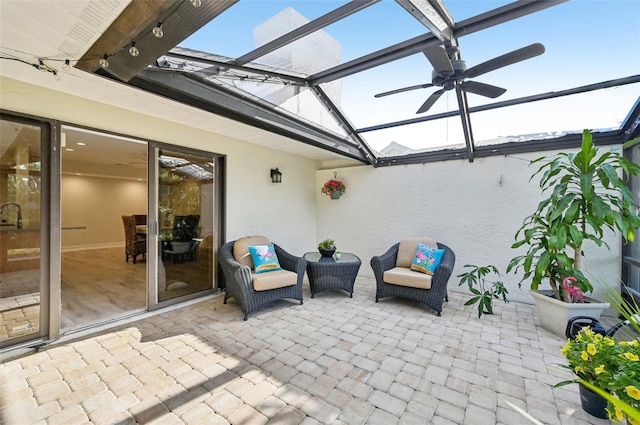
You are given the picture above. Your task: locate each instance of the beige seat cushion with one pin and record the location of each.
(274, 279)
(407, 249)
(406, 277)
(241, 248)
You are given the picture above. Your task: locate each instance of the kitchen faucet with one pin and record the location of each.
(13, 204)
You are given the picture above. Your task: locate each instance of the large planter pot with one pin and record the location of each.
(554, 314)
(592, 403)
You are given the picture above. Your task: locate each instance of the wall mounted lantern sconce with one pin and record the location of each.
(276, 175)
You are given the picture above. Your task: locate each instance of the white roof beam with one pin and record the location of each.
(433, 15)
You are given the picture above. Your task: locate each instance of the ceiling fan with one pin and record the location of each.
(451, 72)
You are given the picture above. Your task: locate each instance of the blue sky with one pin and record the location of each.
(586, 41)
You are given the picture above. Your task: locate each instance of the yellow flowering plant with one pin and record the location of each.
(611, 365)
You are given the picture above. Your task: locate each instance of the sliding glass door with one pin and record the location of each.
(186, 223)
(96, 227)
(104, 182)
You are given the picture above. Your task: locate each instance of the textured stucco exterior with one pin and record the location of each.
(474, 208)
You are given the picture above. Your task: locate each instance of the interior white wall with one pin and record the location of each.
(474, 208)
(92, 209)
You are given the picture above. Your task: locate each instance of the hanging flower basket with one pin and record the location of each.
(333, 188)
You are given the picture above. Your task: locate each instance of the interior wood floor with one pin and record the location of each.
(98, 284)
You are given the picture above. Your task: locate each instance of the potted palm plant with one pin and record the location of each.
(585, 196)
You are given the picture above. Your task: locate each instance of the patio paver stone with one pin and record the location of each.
(333, 360)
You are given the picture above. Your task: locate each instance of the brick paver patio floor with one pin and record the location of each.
(332, 360)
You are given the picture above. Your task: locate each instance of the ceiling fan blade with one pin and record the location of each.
(482, 89)
(510, 58)
(418, 86)
(430, 101)
(439, 60)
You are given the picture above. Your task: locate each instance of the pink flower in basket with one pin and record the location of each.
(332, 186)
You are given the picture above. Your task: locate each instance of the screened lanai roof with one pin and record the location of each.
(311, 70)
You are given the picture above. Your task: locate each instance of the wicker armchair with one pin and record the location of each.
(134, 245)
(433, 297)
(141, 219)
(239, 279)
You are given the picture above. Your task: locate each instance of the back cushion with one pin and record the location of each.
(407, 250)
(241, 248)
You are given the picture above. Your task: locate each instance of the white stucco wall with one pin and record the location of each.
(283, 212)
(474, 208)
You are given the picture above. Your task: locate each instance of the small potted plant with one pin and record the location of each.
(484, 290)
(327, 247)
(333, 188)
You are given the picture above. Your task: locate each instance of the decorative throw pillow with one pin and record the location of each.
(426, 259)
(264, 258)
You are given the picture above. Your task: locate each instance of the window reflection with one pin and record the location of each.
(20, 198)
(185, 198)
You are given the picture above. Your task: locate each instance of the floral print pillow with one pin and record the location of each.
(264, 258)
(426, 259)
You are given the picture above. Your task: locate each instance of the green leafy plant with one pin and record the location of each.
(327, 244)
(484, 290)
(585, 196)
(165, 211)
(627, 307)
(166, 235)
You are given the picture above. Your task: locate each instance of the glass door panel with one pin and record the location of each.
(103, 187)
(21, 311)
(186, 224)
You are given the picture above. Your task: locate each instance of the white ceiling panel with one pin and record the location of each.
(41, 27)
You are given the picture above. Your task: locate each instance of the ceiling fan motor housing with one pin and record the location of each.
(447, 80)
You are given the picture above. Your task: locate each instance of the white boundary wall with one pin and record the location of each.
(474, 208)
